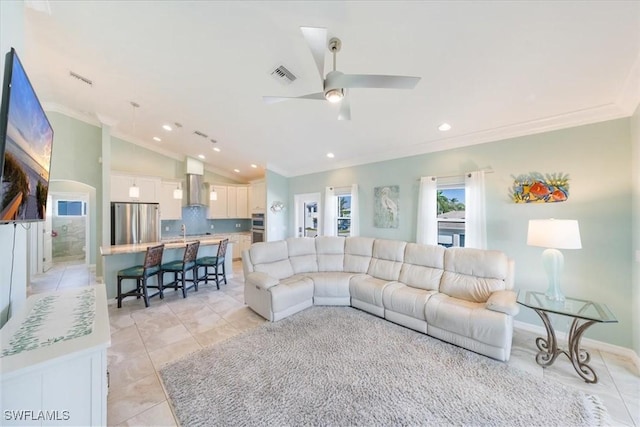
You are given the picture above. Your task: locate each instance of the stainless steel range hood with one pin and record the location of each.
(197, 194)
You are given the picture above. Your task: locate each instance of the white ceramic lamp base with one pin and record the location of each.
(553, 263)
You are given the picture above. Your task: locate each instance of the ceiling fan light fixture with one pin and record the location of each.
(334, 95)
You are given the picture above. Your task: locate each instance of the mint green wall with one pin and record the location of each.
(131, 158)
(77, 147)
(277, 191)
(598, 159)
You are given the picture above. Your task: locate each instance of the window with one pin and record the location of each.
(344, 214)
(71, 208)
(451, 211)
(451, 215)
(341, 211)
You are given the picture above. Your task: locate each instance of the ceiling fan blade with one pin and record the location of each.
(376, 81)
(274, 99)
(317, 40)
(345, 108)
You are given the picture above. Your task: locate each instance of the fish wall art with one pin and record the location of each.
(538, 188)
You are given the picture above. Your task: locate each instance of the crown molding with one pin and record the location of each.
(629, 96)
(562, 121)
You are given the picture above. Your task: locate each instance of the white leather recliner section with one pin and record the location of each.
(460, 295)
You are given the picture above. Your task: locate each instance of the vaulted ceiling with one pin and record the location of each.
(491, 70)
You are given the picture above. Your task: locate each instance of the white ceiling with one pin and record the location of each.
(491, 69)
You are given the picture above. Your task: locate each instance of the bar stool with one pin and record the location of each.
(214, 262)
(140, 273)
(180, 269)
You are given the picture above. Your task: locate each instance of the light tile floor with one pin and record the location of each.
(144, 340)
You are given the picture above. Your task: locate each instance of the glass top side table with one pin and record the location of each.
(584, 313)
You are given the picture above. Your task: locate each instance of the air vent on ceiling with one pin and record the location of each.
(283, 75)
(204, 135)
(82, 79)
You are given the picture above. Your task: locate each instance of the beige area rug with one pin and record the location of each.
(338, 366)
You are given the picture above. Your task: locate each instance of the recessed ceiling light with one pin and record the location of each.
(155, 138)
(444, 127)
(201, 156)
(330, 155)
(216, 149)
(236, 170)
(253, 165)
(167, 128)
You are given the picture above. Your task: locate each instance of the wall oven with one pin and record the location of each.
(257, 227)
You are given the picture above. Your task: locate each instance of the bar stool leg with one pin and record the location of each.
(119, 297)
(144, 291)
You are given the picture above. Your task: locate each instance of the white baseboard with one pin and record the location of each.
(598, 345)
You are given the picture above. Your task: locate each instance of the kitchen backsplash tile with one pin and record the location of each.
(196, 222)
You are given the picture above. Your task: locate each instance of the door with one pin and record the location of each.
(308, 214)
(47, 244)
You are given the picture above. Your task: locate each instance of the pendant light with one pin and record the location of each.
(177, 193)
(213, 196)
(134, 191)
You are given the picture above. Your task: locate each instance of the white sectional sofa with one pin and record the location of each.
(460, 295)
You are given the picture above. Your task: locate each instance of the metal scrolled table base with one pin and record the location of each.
(579, 357)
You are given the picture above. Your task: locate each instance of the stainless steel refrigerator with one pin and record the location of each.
(134, 223)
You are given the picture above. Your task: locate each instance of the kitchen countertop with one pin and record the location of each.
(168, 244)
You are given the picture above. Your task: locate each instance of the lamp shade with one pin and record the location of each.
(554, 233)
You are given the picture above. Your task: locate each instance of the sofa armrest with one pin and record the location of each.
(503, 302)
(261, 280)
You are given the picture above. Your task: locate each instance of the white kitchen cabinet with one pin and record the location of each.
(218, 208)
(150, 188)
(235, 239)
(243, 202)
(258, 198)
(232, 202)
(53, 360)
(170, 208)
(245, 242)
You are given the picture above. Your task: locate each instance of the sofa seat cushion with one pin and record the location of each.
(271, 258)
(403, 299)
(386, 260)
(367, 289)
(469, 319)
(423, 266)
(302, 254)
(291, 291)
(473, 274)
(335, 284)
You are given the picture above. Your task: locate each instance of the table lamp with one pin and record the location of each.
(554, 234)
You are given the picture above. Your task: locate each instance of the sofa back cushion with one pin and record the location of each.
(302, 254)
(387, 258)
(473, 274)
(330, 252)
(271, 258)
(423, 266)
(357, 254)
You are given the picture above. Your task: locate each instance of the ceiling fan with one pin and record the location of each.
(336, 84)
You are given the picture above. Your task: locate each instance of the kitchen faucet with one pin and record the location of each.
(183, 229)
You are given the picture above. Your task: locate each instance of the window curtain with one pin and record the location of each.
(427, 227)
(355, 212)
(330, 227)
(475, 216)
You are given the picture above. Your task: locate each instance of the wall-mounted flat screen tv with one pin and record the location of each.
(26, 139)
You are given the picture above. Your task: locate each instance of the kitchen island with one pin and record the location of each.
(119, 257)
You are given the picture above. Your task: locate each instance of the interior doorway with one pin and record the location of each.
(308, 214)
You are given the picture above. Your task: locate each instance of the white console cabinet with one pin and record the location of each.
(53, 360)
